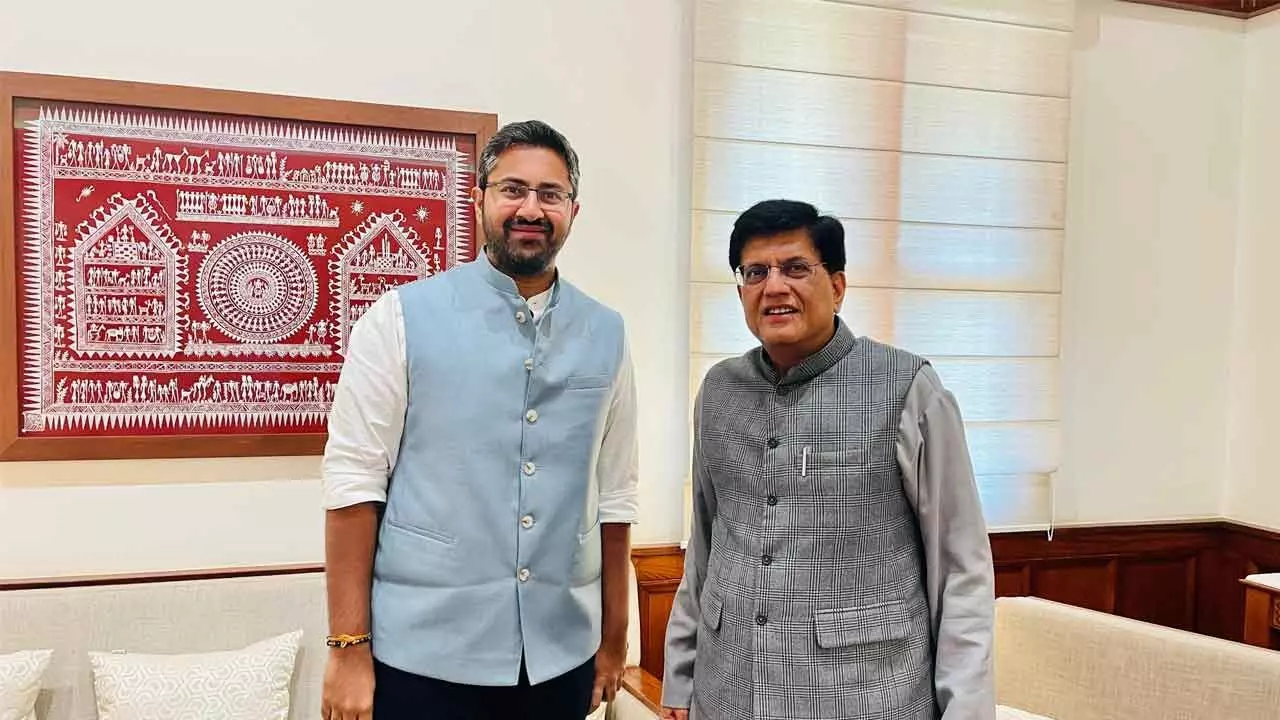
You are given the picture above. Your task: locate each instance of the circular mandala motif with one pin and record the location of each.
(257, 288)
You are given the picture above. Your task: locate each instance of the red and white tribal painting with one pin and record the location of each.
(187, 274)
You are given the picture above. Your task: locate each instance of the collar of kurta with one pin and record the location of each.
(836, 348)
(503, 283)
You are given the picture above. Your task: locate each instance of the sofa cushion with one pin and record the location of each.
(1073, 663)
(20, 675)
(251, 683)
(164, 617)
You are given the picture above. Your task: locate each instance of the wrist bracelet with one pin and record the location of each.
(341, 641)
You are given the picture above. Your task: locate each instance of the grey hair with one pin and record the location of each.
(534, 133)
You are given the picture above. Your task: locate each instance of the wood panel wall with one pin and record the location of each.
(1243, 9)
(1184, 575)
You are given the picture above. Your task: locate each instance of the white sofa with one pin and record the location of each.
(1055, 660)
(179, 617)
(1067, 663)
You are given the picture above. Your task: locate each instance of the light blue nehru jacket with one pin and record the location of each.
(490, 541)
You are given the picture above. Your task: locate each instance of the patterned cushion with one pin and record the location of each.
(251, 683)
(20, 674)
(1007, 713)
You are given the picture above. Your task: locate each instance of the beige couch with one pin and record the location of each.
(189, 616)
(1069, 663)
(1055, 660)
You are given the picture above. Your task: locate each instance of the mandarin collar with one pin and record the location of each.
(819, 362)
(503, 283)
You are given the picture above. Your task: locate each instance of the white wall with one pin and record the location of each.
(1252, 489)
(1162, 399)
(611, 75)
(1149, 262)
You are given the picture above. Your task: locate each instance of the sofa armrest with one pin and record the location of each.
(643, 686)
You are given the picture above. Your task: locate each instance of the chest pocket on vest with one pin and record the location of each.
(848, 469)
(852, 456)
(587, 382)
(582, 405)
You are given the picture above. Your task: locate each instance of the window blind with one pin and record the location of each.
(937, 131)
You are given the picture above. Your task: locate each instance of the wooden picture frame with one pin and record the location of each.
(171, 258)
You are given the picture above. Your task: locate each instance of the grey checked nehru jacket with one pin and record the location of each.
(838, 565)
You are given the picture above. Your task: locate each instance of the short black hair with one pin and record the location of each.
(771, 217)
(532, 133)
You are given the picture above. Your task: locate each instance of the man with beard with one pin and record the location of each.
(480, 473)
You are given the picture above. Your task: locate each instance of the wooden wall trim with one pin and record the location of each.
(1182, 575)
(1244, 550)
(1240, 9)
(1148, 572)
(658, 572)
(155, 577)
(1102, 541)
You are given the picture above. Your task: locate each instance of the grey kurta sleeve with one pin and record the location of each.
(939, 482)
(682, 626)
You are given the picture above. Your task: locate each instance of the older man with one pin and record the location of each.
(480, 474)
(839, 565)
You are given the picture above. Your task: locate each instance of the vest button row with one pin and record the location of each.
(761, 619)
(773, 443)
(772, 500)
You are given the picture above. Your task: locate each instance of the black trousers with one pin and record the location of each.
(399, 695)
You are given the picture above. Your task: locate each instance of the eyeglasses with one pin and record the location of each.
(547, 197)
(756, 274)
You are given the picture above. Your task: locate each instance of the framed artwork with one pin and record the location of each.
(180, 267)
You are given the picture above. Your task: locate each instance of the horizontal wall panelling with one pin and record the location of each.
(1182, 575)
